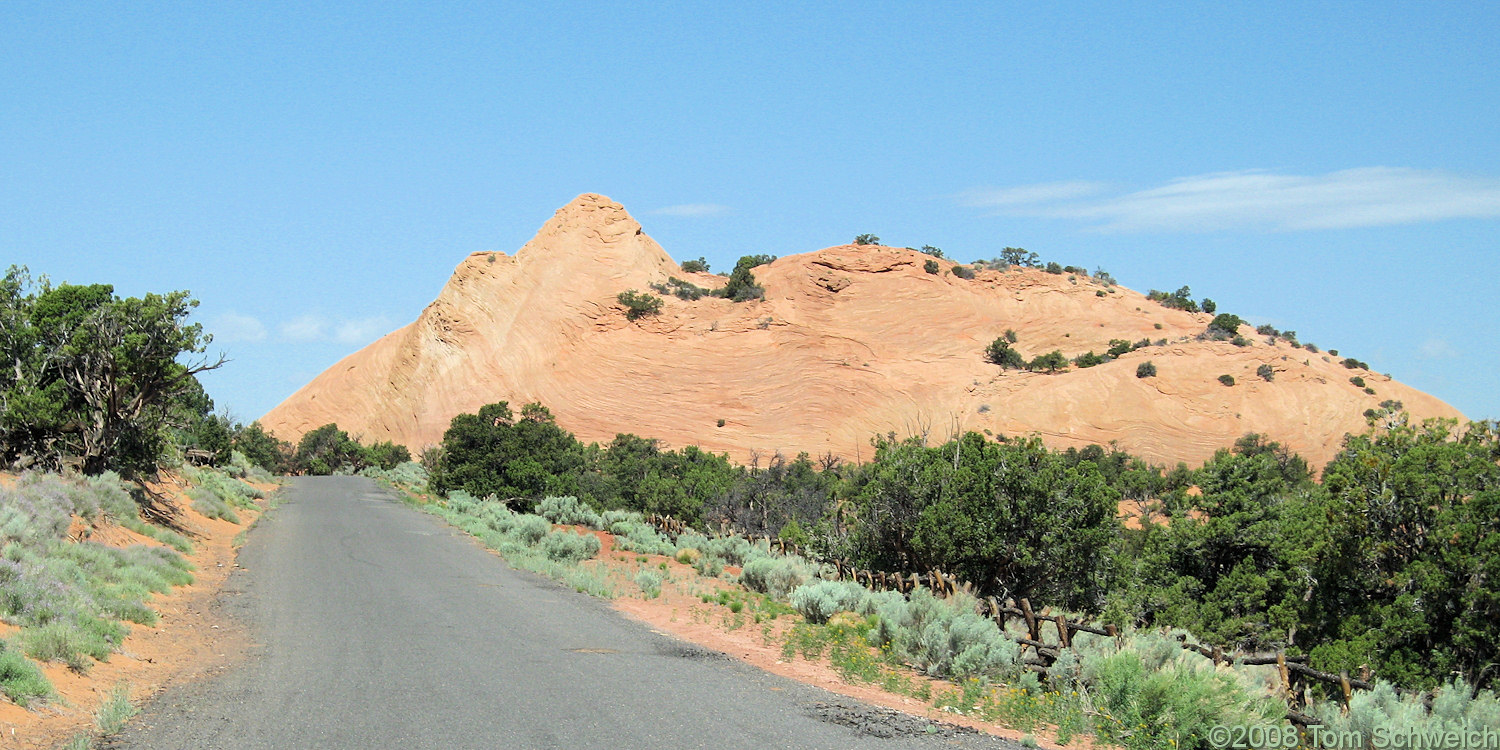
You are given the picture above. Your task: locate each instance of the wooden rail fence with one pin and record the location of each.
(1295, 676)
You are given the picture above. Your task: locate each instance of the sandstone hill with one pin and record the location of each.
(849, 342)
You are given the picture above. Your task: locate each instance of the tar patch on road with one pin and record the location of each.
(689, 651)
(882, 722)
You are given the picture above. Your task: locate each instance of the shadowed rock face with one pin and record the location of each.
(849, 342)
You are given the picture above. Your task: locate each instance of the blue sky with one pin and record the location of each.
(314, 174)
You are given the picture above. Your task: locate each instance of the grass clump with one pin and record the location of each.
(76, 645)
(72, 599)
(20, 679)
(211, 505)
(115, 711)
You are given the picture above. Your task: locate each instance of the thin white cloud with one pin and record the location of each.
(1437, 348)
(1258, 200)
(692, 210)
(361, 331)
(305, 328)
(1030, 195)
(232, 327)
(313, 328)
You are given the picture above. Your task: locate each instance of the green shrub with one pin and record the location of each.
(1382, 712)
(1054, 268)
(866, 239)
(817, 602)
(930, 266)
(650, 583)
(528, 529)
(1156, 694)
(775, 576)
(711, 566)
(638, 304)
(695, 266)
(1145, 370)
(1120, 347)
(1224, 326)
(1089, 359)
(963, 272)
(409, 474)
(1178, 300)
(1357, 381)
(1000, 353)
(943, 637)
(611, 517)
(1051, 362)
(639, 536)
(735, 550)
(1227, 380)
(568, 547)
(20, 679)
(1266, 372)
(568, 510)
(742, 286)
(682, 289)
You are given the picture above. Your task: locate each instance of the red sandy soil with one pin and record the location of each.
(189, 641)
(850, 342)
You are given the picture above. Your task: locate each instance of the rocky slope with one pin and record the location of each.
(849, 342)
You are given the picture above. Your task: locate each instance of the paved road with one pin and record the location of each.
(381, 627)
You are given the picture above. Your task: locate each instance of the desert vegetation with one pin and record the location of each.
(1257, 556)
(741, 287)
(1246, 552)
(638, 305)
(1001, 353)
(94, 379)
(100, 396)
(74, 600)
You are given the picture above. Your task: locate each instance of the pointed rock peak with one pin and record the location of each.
(590, 202)
(589, 209)
(588, 221)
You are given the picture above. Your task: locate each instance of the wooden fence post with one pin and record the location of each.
(1031, 624)
(1286, 680)
(1348, 691)
(1063, 636)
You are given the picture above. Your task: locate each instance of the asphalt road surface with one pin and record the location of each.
(376, 626)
